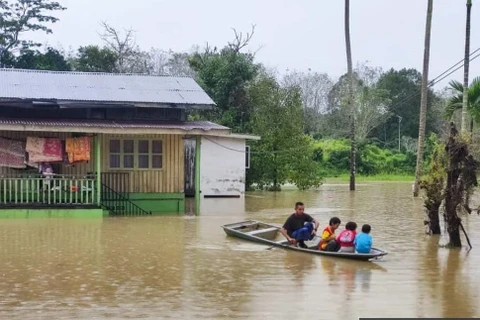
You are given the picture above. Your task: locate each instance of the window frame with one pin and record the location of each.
(136, 154)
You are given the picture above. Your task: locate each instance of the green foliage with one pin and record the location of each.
(225, 75)
(456, 102)
(284, 153)
(404, 92)
(20, 16)
(50, 60)
(371, 159)
(304, 171)
(433, 182)
(96, 59)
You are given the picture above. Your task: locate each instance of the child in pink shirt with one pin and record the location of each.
(346, 237)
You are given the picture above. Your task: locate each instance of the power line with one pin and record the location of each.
(440, 77)
(431, 83)
(252, 152)
(462, 60)
(475, 57)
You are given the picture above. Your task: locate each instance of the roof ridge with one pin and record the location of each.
(165, 75)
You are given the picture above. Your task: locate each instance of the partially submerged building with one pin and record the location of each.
(89, 144)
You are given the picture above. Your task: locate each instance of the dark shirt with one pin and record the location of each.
(295, 222)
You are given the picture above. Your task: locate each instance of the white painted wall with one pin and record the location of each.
(222, 171)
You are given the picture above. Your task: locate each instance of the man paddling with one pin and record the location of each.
(299, 227)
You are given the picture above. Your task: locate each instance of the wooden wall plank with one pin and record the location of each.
(168, 179)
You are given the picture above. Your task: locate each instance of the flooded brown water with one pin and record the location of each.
(187, 268)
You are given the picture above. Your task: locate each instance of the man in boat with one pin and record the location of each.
(299, 227)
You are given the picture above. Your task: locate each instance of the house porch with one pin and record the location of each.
(130, 172)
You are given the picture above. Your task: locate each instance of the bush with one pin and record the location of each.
(371, 159)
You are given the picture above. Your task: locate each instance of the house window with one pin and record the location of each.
(128, 154)
(139, 154)
(157, 152)
(247, 157)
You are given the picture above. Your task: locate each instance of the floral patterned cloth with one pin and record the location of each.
(13, 147)
(78, 149)
(44, 150)
(12, 161)
(12, 153)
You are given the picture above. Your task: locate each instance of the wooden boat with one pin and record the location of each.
(269, 234)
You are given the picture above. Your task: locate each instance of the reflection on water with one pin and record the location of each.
(300, 266)
(186, 267)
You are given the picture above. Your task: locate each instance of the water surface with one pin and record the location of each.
(186, 267)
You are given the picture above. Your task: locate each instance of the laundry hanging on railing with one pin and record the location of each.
(14, 147)
(44, 150)
(12, 153)
(12, 161)
(78, 149)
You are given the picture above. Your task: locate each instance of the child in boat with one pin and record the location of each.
(328, 242)
(346, 237)
(363, 241)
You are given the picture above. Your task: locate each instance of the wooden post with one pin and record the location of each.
(197, 174)
(98, 169)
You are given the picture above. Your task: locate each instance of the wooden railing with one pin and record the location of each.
(54, 190)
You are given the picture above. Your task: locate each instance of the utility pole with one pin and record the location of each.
(399, 133)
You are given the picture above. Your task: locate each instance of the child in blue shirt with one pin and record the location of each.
(363, 241)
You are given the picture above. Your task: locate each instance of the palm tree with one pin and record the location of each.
(473, 108)
(466, 67)
(424, 96)
(473, 101)
(350, 104)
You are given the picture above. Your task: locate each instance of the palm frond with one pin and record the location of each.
(456, 85)
(474, 91)
(474, 99)
(453, 105)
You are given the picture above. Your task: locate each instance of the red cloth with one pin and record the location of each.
(44, 149)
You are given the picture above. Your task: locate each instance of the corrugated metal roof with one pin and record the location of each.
(101, 87)
(186, 126)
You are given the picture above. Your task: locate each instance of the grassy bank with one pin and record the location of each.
(379, 178)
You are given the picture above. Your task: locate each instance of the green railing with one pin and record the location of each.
(54, 190)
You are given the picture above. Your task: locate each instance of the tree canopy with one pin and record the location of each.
(20, 16)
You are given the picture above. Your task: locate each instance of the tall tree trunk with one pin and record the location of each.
(424, 97)
(350, 104)
(453, 190)
(466, 66)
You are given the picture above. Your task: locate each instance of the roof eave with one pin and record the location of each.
(103, 104)
(243, 136)
(116, 130)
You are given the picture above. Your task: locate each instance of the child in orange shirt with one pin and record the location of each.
(328, 242)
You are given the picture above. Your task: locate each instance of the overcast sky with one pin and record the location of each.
(294, 35)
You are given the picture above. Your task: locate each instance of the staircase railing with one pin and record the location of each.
(119, 205)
